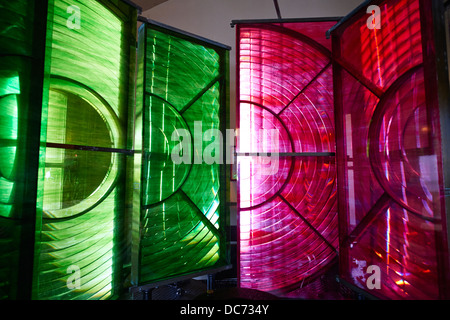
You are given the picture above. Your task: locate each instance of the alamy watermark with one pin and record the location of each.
(207, 147)
(74, 280)
(374, 21)
(74, 21)
(370, 275)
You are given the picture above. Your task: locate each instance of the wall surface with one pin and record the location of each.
(147, 4)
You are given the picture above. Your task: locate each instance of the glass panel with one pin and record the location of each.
(164, 121)
(21, 83)
(388, 52)
(180, 68)
(81, 237)
(288, 228)
(78, 226)
(90, 54)
(390, 196)
(177, 238)
(287, 200)
(9, 247)
(181, 216)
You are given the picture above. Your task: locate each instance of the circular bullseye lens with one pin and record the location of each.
(76, 179)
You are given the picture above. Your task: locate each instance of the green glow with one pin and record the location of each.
(83, 196)
(92, 55)
(161, 147)
(206, 194)
(72, 106)
(9, 91)
(181, 229)
(178, 69)
(16, 86)
(81, 199)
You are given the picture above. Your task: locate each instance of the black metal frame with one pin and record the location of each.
(30, 160)
(441, 40)
(285, 20)
(183, 34)
(150, 286)
(134, 5)
(286, 154)
(344, 19)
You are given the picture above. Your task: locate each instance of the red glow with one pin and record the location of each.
(390, 196)
(288, 218)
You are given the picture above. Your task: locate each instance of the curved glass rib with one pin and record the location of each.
(8, 136)
(102, 125)
(165, 123)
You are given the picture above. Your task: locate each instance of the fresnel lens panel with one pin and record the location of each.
(80, 232)
(22, 78)
(392, 214)
(180, 213)
(287, 206)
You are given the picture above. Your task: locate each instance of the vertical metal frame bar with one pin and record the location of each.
(139, 134)
(124, 235)
(340, 155)
(238, 196)
(225, 172)
(445, 114)
(37, 99)
(438, 93)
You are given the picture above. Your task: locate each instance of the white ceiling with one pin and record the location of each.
(147, 4)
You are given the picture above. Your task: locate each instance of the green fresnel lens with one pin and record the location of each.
(23, 79)
(66, 94)
(179, 209)
(66, 135)
(81, 246)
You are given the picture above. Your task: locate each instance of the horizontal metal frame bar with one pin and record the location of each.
(182, 33)
(286, 20)
(148, 286)
(285, 154)
(87, 148)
